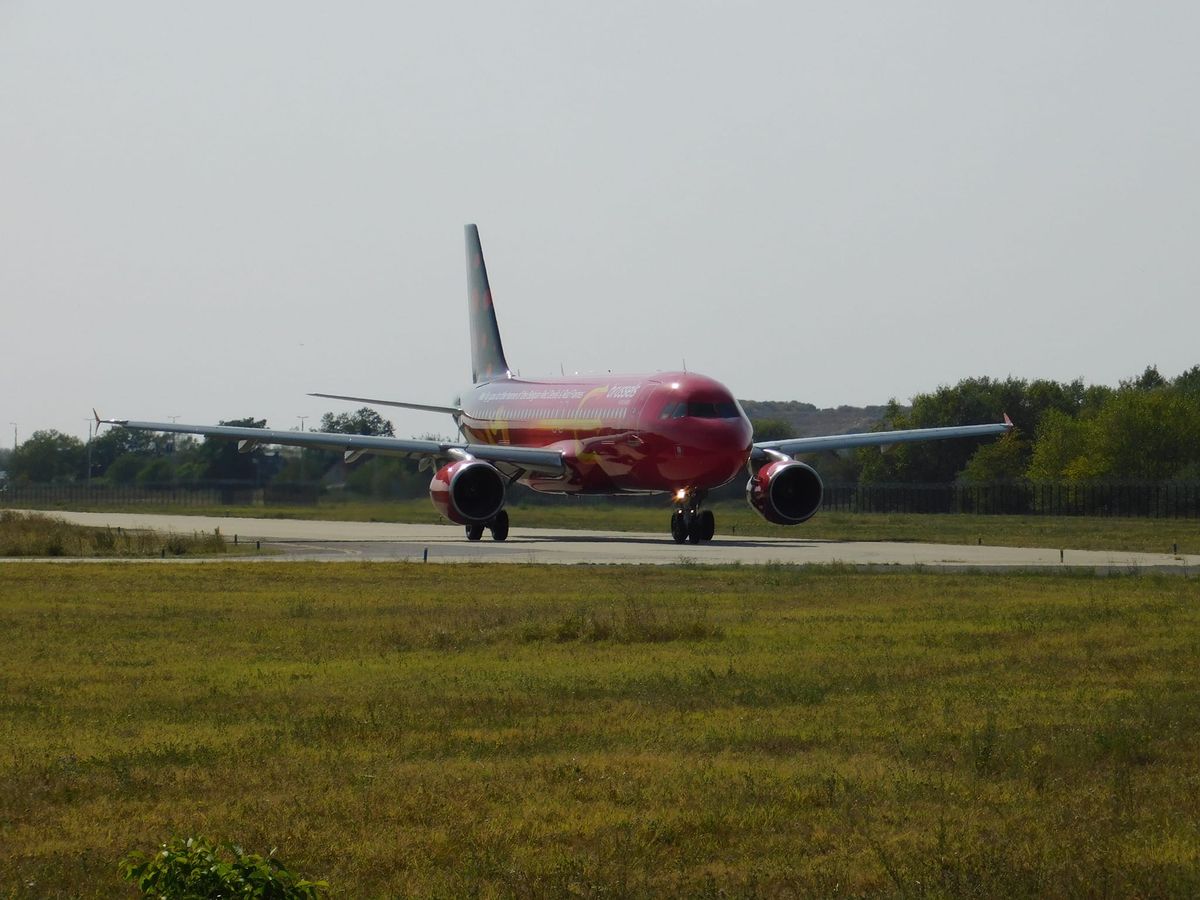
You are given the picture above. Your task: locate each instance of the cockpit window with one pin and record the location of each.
(699, 409)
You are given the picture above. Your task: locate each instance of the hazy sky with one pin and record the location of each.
(209, 209)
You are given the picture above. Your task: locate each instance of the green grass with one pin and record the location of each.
(737, 519)
(541, 731)
(32, 535)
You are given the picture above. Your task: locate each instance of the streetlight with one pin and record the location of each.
(14, 425)
(303, 468)
(90, 422)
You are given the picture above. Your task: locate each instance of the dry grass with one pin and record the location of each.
(434, 730)
(36, 536)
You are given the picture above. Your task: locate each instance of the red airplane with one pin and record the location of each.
(677, 433)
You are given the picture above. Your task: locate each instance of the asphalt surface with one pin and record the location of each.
(296, 539)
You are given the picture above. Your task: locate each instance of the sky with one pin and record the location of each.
(209, 210)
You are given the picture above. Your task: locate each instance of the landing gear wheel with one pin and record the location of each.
(474, 532)
(499, 526)
(678, 529)
(694, 533)
(708, 525)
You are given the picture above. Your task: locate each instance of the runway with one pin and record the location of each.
(296, 539)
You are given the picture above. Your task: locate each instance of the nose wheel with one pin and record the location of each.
(691, 524)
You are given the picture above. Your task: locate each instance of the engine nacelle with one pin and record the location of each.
(468, 491)
(785, 492)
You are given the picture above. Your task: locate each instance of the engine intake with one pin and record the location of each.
(468, 492)
(785, 492)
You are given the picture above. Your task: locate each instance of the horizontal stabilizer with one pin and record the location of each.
(451, 410)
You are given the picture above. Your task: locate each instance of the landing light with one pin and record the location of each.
(681, 494)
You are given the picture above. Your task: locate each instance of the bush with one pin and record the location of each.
(194, 868)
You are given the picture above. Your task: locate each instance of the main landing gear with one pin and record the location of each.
(498, 527)
(690, 523)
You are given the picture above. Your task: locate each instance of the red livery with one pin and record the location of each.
(676, 433)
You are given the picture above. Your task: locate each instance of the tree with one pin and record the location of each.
(221, 459)
(1145, 434)
(772, 430)
(124, 469)
(972, 401)
(1136, 433)
(48, 456)
(1188, 382)
(115, 443)
(1058, 448)
(1147, 381)
(1005, 459)
(364, 421)
(156, 471)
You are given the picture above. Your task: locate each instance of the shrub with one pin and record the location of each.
(194, 868)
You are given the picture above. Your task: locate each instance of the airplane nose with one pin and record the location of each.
(709, 452)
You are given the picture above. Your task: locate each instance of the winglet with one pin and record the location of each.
(1008, 421)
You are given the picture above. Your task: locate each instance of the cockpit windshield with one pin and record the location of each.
(699, 409)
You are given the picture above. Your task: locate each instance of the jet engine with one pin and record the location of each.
(785, 492)
(468, 491)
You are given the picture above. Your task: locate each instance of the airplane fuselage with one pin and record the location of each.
(669, 431)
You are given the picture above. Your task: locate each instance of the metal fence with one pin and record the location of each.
(1169, 500)
(1143, 500)
(207, 493)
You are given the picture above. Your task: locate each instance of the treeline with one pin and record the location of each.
(1145, 430)
(122, 457)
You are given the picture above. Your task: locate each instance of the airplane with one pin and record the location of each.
(676, 433)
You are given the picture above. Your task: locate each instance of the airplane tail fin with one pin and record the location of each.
(487, 353)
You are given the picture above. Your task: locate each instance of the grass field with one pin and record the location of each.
(528, 731)
(736, 518)
(34, 535)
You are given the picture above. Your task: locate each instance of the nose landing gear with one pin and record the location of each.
(690, 523)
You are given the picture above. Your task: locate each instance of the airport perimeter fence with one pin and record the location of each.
(199, 494)
(1173, 500)
(1169, 500)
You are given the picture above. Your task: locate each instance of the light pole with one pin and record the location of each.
(14, 425)
(303, 468)
(90, 422)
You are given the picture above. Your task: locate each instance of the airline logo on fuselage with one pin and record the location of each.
(607, 392)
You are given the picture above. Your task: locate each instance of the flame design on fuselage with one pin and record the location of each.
(610, 431)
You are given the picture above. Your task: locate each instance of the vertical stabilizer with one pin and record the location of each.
(487, 353)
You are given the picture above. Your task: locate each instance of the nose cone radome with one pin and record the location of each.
(705, 453)
(706, 437)
(710, 452)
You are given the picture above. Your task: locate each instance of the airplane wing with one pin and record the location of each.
(792, 446)
(356, 445)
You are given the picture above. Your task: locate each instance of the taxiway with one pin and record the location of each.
(305, 539)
